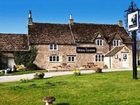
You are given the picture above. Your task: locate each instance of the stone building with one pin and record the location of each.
(9, 43)
(73, 45)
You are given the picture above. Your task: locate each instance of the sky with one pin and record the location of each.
(14, 13)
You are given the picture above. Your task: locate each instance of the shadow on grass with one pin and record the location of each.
(63, 104)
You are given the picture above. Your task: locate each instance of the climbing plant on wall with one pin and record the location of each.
(26, 58)
(2, 64)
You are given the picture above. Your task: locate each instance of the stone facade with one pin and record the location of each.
(81, 59)
(94, 41)
(43, 54)
(120, 59)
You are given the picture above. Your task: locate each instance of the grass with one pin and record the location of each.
(116, 88)
(138, 66)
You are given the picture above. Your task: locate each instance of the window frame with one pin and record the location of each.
(71, 58)
(99, 42)
(99, 58)
(54, 58)
(53, 47)
(116, 42)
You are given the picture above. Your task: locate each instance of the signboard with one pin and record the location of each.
(86, 50)
(133, 21)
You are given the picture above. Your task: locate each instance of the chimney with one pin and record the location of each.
(71, 20)
(30, 19)
(120, 23)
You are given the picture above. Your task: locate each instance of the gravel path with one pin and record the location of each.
(49, 74)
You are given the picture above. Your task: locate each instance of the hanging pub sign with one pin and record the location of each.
(133, 21)
(86, 49)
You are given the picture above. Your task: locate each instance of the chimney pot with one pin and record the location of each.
(120, 23)
(71, 20)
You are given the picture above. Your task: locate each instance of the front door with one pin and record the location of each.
(125, 63)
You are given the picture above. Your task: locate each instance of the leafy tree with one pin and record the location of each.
(2, 65)
(26, 58)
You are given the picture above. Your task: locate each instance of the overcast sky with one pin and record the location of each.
(14, 13)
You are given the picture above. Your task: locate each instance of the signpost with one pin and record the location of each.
(133, 26)
(133, 21)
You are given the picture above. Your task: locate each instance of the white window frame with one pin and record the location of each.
(71, 58)
(116, 42)
(53, 47)
(99, 42)
(54, 58)
(99, 58)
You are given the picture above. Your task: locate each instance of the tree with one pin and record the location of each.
(2, 64)
(26, 58)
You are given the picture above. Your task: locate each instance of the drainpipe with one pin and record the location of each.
(110, 61)
(110, 56)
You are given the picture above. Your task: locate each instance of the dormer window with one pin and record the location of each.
(99, 42)
(116, 42)
(53, 47)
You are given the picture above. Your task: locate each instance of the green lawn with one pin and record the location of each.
(116, 88)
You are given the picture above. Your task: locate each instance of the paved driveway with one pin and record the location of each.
(49, 74)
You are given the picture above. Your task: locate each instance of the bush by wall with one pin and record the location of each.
(77, 72)
(26, 58)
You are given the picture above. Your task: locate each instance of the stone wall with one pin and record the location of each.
(117, 59)
(43, 53)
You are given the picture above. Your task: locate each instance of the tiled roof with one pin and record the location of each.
(114, 51)
(41, 33)
(13, 42)
(44, 33)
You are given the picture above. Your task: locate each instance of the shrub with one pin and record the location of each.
(77, 72)
(26, 58)
(39, 75)
(98, 70)
(20, 67)
(3, 65)
(105, 67)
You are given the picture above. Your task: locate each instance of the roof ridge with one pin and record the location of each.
(12, 34)
(115, 48)
(75, 23)
(97, 24)
(49, 23)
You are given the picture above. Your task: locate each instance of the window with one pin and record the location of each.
(99, 58)
(54, 58)
(116, 42)
(99, 42)
(71, 58)
(124, 56)
(53, 47)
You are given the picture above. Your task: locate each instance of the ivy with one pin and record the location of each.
(26, 58)
(2, 64)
